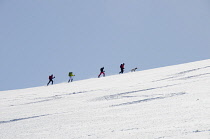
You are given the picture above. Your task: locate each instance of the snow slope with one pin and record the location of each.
(170, 102)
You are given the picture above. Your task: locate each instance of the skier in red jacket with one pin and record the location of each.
(50, 79)
(122, 68)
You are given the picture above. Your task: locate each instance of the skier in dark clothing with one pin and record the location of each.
(50, 79)
(122, 68)
(102, 72)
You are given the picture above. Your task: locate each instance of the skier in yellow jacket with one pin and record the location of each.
(71, 77)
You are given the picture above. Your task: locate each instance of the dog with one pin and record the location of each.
(133, 70)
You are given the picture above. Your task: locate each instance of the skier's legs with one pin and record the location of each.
(70, 78)
(122, 70)
(99, 75)
(103, 74)
(49, 82)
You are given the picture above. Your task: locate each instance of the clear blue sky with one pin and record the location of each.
(43, 37)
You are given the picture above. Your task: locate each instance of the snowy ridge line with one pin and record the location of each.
(126, 106)
(150, 99)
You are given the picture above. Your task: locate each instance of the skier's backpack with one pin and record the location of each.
(50, 77)
(70, 73)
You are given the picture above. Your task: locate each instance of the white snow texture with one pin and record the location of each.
(164, 103)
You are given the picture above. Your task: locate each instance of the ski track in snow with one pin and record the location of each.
(151, 99)
(52, 98)
(120, 95)
(177, 76)
(20, 119)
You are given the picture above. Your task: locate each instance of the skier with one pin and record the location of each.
(71, 77)
(102, 72)
(50, 79)
(122, 68)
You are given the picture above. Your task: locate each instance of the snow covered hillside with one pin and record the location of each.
(169, 102)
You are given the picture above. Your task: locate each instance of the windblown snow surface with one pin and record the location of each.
(169, 102)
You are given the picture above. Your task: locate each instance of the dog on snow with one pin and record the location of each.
(133, 70)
